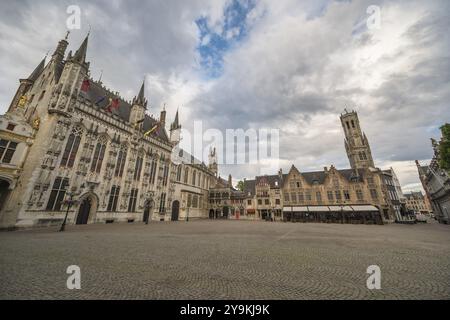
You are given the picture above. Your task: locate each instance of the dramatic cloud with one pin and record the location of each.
(289, 65)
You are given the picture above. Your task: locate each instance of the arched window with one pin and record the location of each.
(179, 169)
(99, 154)
(153, 170)
(138, 168)
(194, 175)
(71, 149)
(120, 164)
(186, 175)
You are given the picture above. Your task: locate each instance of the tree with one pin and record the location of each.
(240, 185)
(444, 148)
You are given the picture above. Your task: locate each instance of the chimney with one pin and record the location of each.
(162, 117)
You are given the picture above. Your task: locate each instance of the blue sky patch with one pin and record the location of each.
(213, 44)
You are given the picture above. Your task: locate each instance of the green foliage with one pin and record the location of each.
(240, 185)
(444, 148)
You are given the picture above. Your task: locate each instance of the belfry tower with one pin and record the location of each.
(356, 143)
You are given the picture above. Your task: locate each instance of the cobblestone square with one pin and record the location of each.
(227, 260)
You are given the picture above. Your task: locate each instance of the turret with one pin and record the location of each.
(139, 105)
(175, 130)
(25, 84)
(69, 78)
(212, 165)
(356, 142)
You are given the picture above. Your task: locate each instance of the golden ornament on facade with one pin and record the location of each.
(36, 123)
(22, 101)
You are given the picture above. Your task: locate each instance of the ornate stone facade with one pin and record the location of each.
(75, 138)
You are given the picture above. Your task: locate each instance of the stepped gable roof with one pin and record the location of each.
(97, 92)
(274, 181)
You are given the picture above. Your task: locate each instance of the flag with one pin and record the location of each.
(86, 85)
(100, 100)
(149, 132)
(113, 104)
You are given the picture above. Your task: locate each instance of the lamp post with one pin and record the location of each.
(342, 213)
(69, 202)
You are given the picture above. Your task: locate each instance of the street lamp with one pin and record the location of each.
(69, 202)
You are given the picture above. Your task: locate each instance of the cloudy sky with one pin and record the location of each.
(290, 65)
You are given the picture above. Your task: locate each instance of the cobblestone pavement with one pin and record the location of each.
(227, 260)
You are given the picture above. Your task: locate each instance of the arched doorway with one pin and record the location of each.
(175, 210)
(83, 212)
(87, 209)
(148, 209)
(211, 214)
(226, 212)
(4, 192)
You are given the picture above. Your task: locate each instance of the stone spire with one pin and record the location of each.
(138, 107)
(80, 55)
(176, 123)
(140, 99)
(35, 74)
(175, 130)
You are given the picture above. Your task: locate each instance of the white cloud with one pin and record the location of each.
(296, 70)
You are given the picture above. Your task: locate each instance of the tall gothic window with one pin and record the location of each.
(194, 175)
(120, 164)
(57, 195)
(165, 174)
(186, 175)
(162, 203)
(153, 171)
(99, 154)
(179, 169)
(70, 152)
(7, 149)
(113, 198)
(133, 200)
(138, 168)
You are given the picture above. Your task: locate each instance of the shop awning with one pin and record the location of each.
(318, 209)
(339, 208)
(251, 210)
(300, 209)
(365, 208)
(287, 209)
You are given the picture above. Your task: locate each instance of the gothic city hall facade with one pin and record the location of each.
(70, 146)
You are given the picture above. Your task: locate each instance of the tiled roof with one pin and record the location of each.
(310, 177)
(97, 92)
